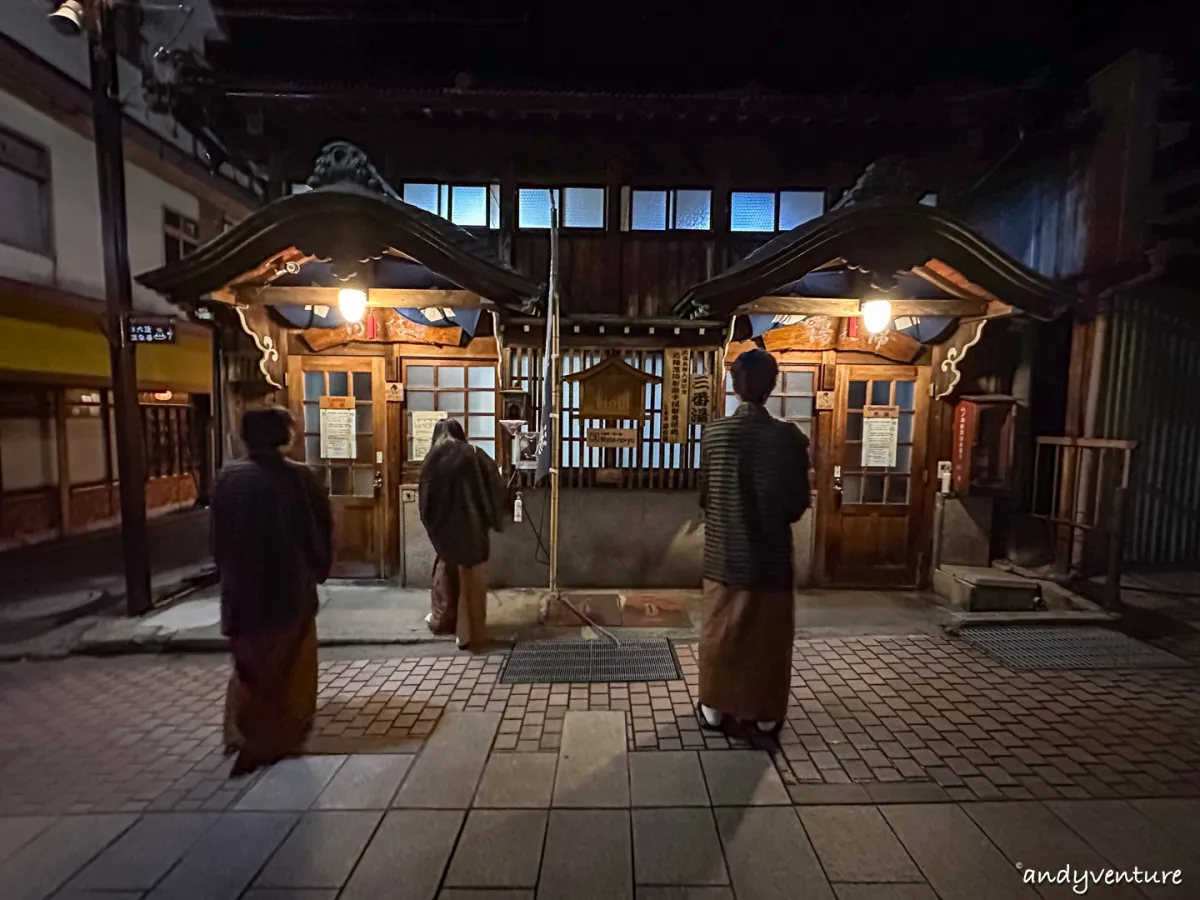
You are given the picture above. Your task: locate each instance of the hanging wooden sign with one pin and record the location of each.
(612, 390)
(702, 402)
(619, 438)
(676, 386)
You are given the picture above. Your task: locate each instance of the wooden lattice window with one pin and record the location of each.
(653, 463)
(794, 398)
(465, 391)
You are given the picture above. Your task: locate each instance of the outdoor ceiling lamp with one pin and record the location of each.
(352, 304)
(67, 19)
(876, 315)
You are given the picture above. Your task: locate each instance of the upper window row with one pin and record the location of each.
(642, 209)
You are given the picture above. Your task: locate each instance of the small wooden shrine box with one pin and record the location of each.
(982, 455)
(612, 390)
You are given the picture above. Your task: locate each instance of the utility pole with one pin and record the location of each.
(118, 290)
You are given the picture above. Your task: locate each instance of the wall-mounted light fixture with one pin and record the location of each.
(352, 304)
(67, 18)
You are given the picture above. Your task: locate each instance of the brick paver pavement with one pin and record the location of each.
(132, 734)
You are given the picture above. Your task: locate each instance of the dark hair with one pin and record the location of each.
(448, 428)
(266, 428)
(754, 375)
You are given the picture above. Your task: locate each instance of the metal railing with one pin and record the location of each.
(1085, 497)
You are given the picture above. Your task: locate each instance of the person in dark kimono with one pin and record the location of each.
(753, 487)
(272, 541)
(462, 500)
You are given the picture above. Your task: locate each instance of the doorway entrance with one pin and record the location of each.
(872, 524)
(352, 465)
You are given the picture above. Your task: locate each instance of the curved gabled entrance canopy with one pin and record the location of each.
(886, 240)
(351, 228)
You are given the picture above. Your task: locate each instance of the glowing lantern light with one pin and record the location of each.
(352, 304)
(876, 315)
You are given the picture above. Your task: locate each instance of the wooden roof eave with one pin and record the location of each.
(346, 224)
(882, 237)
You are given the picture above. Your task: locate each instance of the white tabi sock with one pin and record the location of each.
(711, 716)
(766, 727)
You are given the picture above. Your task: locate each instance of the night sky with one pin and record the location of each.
(665, 45)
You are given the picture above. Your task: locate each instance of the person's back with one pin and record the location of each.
(270, 541)
(754, 486)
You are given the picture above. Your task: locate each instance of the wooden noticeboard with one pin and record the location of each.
(702, 400)
(612, 391)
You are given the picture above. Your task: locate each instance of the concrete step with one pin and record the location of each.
(982, 589)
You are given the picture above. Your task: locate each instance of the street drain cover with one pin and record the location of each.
(596, 662)
(1066, 647)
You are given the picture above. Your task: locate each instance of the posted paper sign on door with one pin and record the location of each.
(337, 428)
(881, 432)
(423, 423)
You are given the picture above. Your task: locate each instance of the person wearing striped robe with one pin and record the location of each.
(753, 487)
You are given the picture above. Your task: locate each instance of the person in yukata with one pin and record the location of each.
(753, 487)
(272, 542)
(462, 499)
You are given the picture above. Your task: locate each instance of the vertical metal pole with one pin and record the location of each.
(556, 375)
(110, 171)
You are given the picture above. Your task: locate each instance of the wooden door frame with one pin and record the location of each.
(298, 364)
(837, 378)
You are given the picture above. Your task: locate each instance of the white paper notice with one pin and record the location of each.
(879, 441)
(337, 434)
(423, 423)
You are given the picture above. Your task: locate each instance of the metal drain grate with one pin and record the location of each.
(1066, 647)
(596, 662)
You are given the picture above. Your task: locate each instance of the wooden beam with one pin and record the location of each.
(844, 307)
(386, 297)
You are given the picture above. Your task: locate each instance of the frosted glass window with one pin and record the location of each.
(533, 207)
(423, 196)
(468, 206)
(649, 211)
(583, 207)
(798, 207)
(752, 211)
(494, 206)
(85, 449)
(28, 454)
(693, 210)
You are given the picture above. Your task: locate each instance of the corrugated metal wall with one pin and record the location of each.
(1151, 394)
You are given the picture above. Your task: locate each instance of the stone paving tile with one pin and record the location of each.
(365, 781)
(293, 784)
(517, 781)
(407, 857)
(884, 892)
(283, 894)
(469, 894)
(18, 831)
(1128, 840)
(592, 767)
(677, 847)
(667, 778)
(48, 861)
(743, 778)
(1178, 819)
(446, 773)
(499, 848)
(769, 855)
(956, 858)
(145, 853)
(588, 856)
(855, 843)
(1032, 836)
(684, 893)
(143, 733)
(72, 894)
(321, 850)
(225, 860)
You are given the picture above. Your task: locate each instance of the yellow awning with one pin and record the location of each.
(58, 352)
